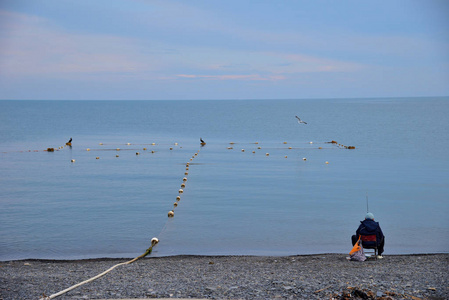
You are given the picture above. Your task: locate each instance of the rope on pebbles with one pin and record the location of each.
(154, 241)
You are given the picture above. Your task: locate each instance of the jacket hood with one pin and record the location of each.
(370, 225)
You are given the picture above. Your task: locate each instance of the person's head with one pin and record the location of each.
(369, 216)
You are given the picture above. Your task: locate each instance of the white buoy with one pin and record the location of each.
(171, 214)
(129, 144)
(183, 185)
(144, 149)
(118, 149)
(101, 144)
(153, 144)
(267, 154)
(327, 162)
(116, 155)
(243, 150)
(176, 144)
(175, 204)
(285, 156)
(178, 198)
(154, 241)
(181, 191)
(285, 142)
(72, 160)
(310, 142)
(289, 147)
(184, 179)
(97, 157)
(304, 158)
(152, 151)
(87, 149)
(137, 153)
(186, 173)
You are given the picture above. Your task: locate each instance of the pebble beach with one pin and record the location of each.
(323, 276)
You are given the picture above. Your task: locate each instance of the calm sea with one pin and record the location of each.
(306, 196)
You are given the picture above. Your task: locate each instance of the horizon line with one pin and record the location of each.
(235, 99)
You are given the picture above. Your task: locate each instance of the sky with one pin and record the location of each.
(214, 49)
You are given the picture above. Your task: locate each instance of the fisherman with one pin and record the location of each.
(370, 227)
(202, 142)
(69, 143)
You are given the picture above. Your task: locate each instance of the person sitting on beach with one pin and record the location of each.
(370, 227)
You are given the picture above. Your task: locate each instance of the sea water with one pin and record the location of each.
(262, 185)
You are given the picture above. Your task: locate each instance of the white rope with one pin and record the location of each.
(154, 241)
(84, 282)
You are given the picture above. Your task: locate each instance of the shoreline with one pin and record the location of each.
(319, 276)
(94, 259)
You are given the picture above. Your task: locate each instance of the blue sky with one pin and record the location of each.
(210, 49)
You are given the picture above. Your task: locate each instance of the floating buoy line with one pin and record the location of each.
(183, 184)
(54, 149)
(154, 241)
(49, 149)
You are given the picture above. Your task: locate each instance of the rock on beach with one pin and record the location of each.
(323, 276)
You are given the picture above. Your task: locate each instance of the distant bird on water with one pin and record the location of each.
(299, 120)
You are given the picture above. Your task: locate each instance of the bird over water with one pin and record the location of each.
(299, 120)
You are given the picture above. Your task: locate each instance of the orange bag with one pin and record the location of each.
(356, 247)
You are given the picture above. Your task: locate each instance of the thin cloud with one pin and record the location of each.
(31, 46)
(300, 63)
(253, 77)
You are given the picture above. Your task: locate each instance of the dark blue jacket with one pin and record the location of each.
(369, 227)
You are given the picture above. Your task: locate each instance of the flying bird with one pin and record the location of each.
(300, 121)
